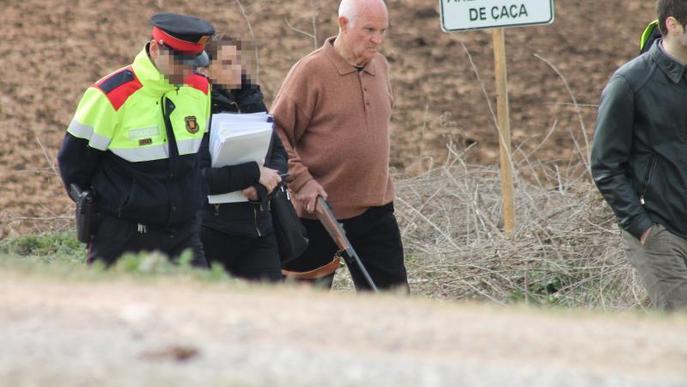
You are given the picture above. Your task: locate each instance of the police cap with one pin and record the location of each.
(185, 36)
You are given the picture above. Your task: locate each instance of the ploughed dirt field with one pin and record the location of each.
(174, 333)
(53, 49)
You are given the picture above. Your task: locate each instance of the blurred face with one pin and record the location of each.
(364, 34)
(169, 66)
(226, 68)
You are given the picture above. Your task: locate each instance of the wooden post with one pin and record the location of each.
(503, 113)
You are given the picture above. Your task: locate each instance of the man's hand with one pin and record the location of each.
(250, 193)
(269, 178)
(307, 196)
(645, 236)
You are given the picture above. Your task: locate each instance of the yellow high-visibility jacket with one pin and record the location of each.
(134, 140)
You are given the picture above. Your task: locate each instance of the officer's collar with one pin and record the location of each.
(671, 67)
(148, 74)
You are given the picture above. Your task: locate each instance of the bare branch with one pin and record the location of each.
(252, 34)
(586, 156)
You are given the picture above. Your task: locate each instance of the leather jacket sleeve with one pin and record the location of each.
(611, 154)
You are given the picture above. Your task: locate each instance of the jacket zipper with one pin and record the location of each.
(647, 180)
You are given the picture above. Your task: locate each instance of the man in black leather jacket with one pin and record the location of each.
(240, 236)
(639, 158)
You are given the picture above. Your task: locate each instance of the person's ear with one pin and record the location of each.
(672, 25)
(343, 23)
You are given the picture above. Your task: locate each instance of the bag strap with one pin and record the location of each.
(650, 34)
(319, 272)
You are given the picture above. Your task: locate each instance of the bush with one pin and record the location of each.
(47, 247)
(565, 250)
(60, 252)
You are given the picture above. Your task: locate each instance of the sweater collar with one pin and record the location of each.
(342, 66)
(672, 68)
(149, 76)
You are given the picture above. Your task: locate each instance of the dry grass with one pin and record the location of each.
(565, 249)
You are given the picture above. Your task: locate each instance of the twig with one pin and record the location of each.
(252, 34)
(47, 157)
(423, 217)
(312, 36)
(587, 159)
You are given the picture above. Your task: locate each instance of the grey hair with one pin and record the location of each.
(347, 8)
(350, 8)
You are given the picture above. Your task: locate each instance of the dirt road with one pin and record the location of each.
(183, 333)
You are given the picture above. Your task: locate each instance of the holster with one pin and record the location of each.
(85, 215)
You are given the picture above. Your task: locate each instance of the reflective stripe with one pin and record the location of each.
(157, 152)
(95, 140)
(141, 133)
(80, 130)
(148, 153)
(189, 146)
(99, 142)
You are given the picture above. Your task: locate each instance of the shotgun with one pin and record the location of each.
(325, 215)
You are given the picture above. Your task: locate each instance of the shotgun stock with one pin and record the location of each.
(325, 215)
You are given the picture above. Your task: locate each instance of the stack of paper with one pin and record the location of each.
(237, 139)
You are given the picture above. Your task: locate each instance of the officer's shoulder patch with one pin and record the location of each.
(119, 86)
(198, 82)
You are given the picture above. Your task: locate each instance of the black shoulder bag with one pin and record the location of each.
(290, 232)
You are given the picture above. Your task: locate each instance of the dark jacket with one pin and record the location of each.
(639, 155)
(250, 219)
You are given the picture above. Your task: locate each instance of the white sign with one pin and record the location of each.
(457, 15)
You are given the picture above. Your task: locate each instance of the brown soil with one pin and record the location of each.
(126, 333)
(52, 50)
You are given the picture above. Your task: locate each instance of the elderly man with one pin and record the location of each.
(333, 112)
(134, 141)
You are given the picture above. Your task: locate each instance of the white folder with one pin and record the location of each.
(237, 139)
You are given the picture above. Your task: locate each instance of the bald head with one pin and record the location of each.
(350, 9)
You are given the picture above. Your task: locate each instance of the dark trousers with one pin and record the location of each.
(243, 256)
(119, 236)
(375, 237)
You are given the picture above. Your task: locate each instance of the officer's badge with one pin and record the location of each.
(191, 124)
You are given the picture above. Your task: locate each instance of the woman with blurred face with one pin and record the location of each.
(225, 68)
(240, 236)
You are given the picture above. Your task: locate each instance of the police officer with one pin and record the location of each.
(134, 142)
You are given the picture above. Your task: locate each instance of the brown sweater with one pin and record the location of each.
(334, 122)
